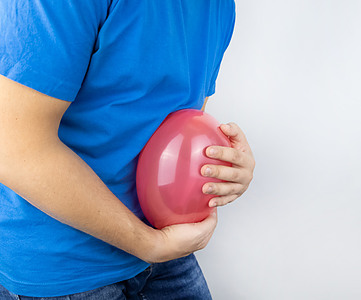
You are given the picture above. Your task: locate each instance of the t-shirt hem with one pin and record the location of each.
(64, 288)
(211, 91)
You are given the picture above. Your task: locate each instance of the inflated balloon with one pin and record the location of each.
(169, 181)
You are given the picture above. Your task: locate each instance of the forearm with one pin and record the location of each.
(57, 181)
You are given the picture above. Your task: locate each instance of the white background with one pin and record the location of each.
(291, 79)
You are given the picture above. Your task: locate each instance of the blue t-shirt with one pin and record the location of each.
(124, 65)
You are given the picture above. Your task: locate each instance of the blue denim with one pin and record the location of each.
(176, 279)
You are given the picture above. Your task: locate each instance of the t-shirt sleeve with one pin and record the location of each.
(47, 44)
(228, 37)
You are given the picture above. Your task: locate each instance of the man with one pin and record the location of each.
(84, 85)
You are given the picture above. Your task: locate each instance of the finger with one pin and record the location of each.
(228, 154)
(221, 201)
(231, 174)
(223, 188)
(236, 135)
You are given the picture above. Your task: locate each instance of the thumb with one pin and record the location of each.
(236, 136)
(210, 222)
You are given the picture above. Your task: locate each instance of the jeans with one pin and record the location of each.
(177, 279)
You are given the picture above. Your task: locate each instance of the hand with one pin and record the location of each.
(180, 240)
(238, 176)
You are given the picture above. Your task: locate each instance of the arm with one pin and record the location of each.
(38, 166)
(204, 104)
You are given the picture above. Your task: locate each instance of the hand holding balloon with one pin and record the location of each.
(170, 178)
(238, 176)
(182, 239)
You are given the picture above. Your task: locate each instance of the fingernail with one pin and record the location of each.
(212, 152)
(208, 171)
(209, 189)
(212, 204)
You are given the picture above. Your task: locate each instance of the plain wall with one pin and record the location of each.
(291, 79)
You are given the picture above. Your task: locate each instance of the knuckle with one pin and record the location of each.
(239, 190)
(201, 244)
(220, 152)
(233, 189)
(237, 157)
(216, 172)
(236, 176)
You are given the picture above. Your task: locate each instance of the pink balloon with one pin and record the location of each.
(169, 181)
